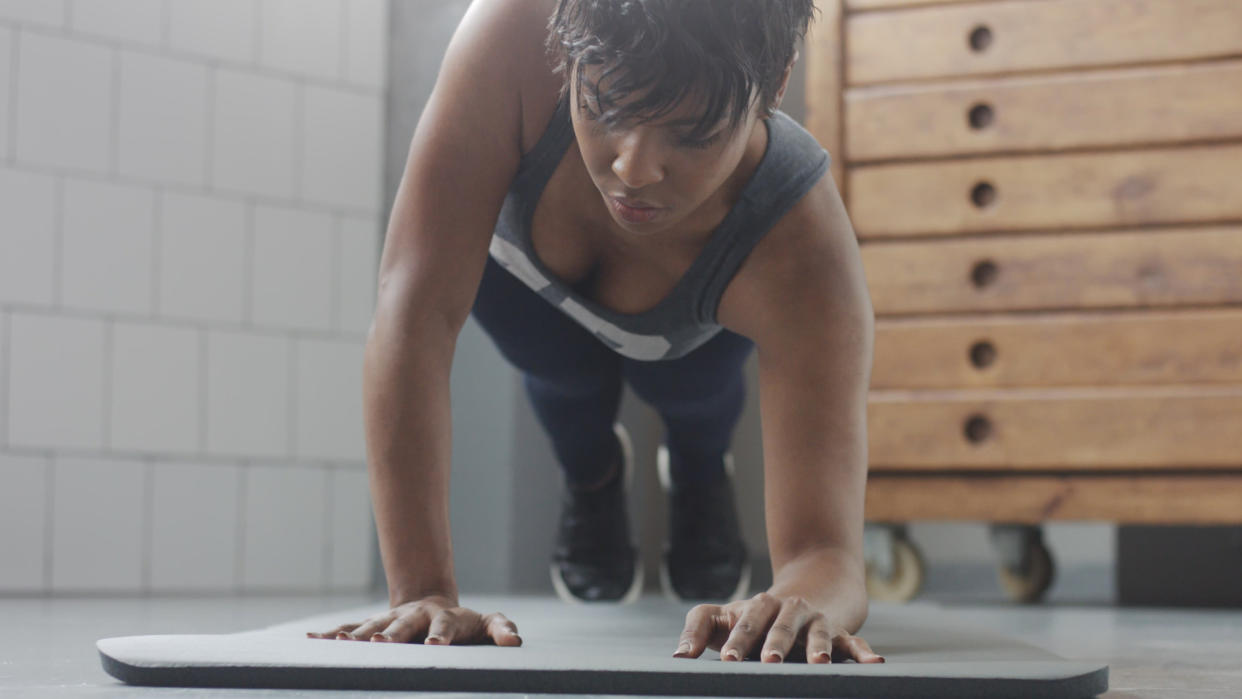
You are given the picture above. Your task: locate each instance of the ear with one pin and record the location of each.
(780, 94)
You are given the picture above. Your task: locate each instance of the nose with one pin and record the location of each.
(638, 161)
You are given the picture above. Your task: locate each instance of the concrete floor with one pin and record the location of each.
(48, 646)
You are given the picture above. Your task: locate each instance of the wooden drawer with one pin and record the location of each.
(1170, 267)
(1186, 498)
(1161, 105)
(1030, 35)
(854, 5)
(1101, 428)
(1169, 185)
(1070, 349)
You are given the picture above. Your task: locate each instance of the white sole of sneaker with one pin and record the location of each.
(666, 482)
(636, 585)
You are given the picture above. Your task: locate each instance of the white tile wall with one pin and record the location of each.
(23, 522)
(163, 119)
(366, 42)
(248, 394)
(134, 21)
(293, 256)
(99, 524)
(34, 12)
(222, 29)
(56, 381)
(342, 159)
(64, 103)
(107, 247)
(286, 517)
(302, 36)
(156, 393)
(202, 257)
(352, 541)
(190, 193)
(254, 137)
(328, 405)
(7, 64)
(194, 527)
(358, 252)
(28, 240)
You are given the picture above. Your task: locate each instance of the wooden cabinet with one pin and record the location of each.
(1048, 199)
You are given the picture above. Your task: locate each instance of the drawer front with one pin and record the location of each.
(1182, 427)
(1200, 498)
(1162, 105)
(1073, 349)
(854, 5)
(1168, 185)
(1029, 35)
(1074, 271)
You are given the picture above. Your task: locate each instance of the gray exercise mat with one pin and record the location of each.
(605, 649)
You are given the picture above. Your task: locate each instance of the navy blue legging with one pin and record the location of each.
(573, 381)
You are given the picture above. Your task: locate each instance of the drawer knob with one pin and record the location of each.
(982, 354)
(984, 273)
(981, 116)
(983, 194)
(978, 428)
(980, 38)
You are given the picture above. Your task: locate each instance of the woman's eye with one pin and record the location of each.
(705, 143)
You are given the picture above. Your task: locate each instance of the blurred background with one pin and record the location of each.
(193, 196)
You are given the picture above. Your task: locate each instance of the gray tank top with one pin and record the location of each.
(686, 318)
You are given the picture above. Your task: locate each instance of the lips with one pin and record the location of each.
(635, 203)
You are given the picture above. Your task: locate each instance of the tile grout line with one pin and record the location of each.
(328, 548)
(204, 386)
(114, 111)
(148, 524)
(183, 457)
(291, 398)
(338, 285)
(6, 336)
(239, 557)
(109, 341)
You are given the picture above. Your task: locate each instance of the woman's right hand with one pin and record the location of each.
(432, 620)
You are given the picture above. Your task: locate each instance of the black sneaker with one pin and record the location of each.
(594, 559)
(704, 557)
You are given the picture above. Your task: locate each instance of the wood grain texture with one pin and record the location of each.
(1031, 499)
(1060, 349)
(1087, 428)
(1133, 269)
(1031, 35)
(823, 85)
(1166, 185)
(1117, 107)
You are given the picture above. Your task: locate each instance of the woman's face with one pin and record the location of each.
(653, 163)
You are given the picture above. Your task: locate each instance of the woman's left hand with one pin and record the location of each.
(794, 630)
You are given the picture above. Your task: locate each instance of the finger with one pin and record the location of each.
(755, 618)
(501, 630)
(333, 632)
(445, 626)
(784, 631)
(363, 632)
(701, 624)
(858, 649)
(407, 627)
(818, 640)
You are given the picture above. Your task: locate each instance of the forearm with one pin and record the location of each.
(409, 444)
(832, 580)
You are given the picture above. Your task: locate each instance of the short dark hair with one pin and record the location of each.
(720, 50)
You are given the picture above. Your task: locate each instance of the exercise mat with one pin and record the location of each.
(605, 649)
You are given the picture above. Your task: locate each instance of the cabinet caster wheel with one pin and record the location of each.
(904, 580)
(1030, 585)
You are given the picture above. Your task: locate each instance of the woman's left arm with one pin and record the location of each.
(813, 325)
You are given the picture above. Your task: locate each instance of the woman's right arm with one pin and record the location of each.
(462, 159)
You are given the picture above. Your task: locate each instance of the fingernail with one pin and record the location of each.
(435, 639)
(822, 656)
(341, 635)
(776, 655)
(731, 654)
(881, 658)
(683, 648)
(378, 637)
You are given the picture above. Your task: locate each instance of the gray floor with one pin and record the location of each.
(48, 645)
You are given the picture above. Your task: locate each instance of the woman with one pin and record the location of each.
(627, 202)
